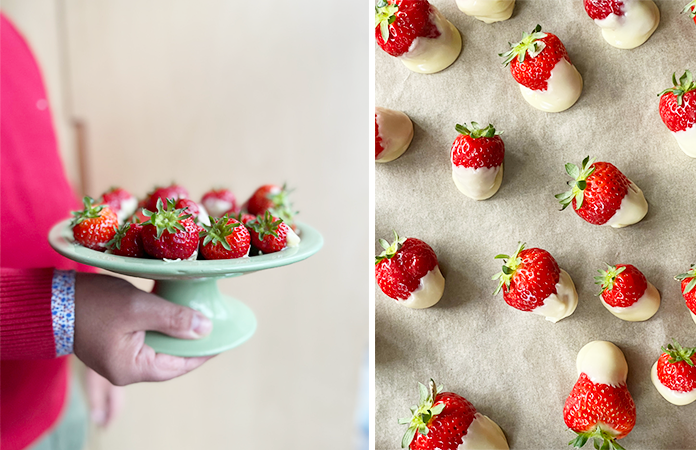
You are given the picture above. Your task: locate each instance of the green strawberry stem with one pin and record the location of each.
(529, 44)
(90, 211)
(607, 277)
(686, 84)
(168, 218)
(118, 237)
(218, 231)
(510, 264)
(578, 185)
(601, 440)
(389, 249)
(385, 15)
(266, 225)
(477, 132)
(422, 413)
(677, 353)
(690, 8)
(690, 274)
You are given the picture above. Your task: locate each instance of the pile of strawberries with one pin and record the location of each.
(169, 225)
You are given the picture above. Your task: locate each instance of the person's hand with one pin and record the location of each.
(105, 399)
(111, 317)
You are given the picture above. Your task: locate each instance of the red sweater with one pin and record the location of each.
(35, 194)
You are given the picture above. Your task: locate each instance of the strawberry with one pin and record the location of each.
(173, 192)
(691, 9)
(138, 216)
(627, 294)
(408, 271)
(378, 140)
(439, 421)
(600, 9)
(122, 202)
(274, 199)
(676, 368)
(688, 288)
(170, 234)
(399, 22)
(393, 134)
(678, 111)
(601, 194)
(477, 159)
(94, 226)
(128, 241)
(599, 406)
(218, 202)
(270, 234)
(200, 216)
(533, 58)
(225, 238)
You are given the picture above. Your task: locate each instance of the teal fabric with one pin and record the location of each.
(71, 431)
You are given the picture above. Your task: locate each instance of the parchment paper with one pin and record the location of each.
(516, 367)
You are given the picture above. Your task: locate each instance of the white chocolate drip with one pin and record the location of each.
(396, 132)
(487, 11)
(429, 292)
(561, 304)
(428, 55)
(639, 20)
(479, 184)
(564, 87)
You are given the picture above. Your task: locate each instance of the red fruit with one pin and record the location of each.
(128, 241)
(439, 421)
(600, 9)
(597, 191)
(94, 226)
(676, 368)
(399, 22)
(138, 216)
(401, 266)
(242, 217)
(378, 140)
(528, 278)
(678, 103)
(622, 285)
(534, 57)
(477, 147)
(688, 287)
(218, 201)
(173, 192)
(691, 9)
(189, 207)
(599, 411)
(115, 197)
(273, 198)
(170, 234)
(225, 238)
(269, 234)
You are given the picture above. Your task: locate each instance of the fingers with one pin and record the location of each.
(156, 314)
(105, 399)
(161, 367)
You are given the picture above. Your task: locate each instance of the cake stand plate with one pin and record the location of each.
(192, 284)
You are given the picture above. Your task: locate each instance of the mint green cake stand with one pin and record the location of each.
(192, 284)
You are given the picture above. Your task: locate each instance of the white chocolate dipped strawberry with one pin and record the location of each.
(625, 24)
(487, 11)
(477, 161)
(602, 195)
(540, 64)
(393, 134)
(532, 281)
(600, 407)
(408, 272)
(417, 33)
(448, 421)
(688, 289)
(674, 374)
(627, 294)
(678, 111)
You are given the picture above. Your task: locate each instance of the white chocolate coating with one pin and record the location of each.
(487, 11)
(563, 89)
(396, 132)
(292, 239)
(561, 304)
(643, 309)
(203, 216)
(483, 434)
(603, 363)
(430, 291)
(687, 140)
(479, 184)
(217, 207)
(433, 55)
(674, 397)
(632, 210)
(693, 316)
(640, 20)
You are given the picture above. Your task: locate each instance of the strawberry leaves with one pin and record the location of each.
(677, 353)
(607, 277)
(691, 274)
(578, 185)
(686, 83)
(422, 413)
(166, 219)
(218, 231)
(475, 131)
(385, 15)
(529, 45)
(389, 249)
(90, 211)
(510, 264)
(690, 8)
(601, 440)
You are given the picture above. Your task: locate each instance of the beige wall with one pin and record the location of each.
(236, 94)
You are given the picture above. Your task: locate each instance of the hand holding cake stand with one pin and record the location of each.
(192, 284)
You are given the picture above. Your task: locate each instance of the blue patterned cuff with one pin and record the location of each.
(63, 310)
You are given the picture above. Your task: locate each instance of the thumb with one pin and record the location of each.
(174, 320)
